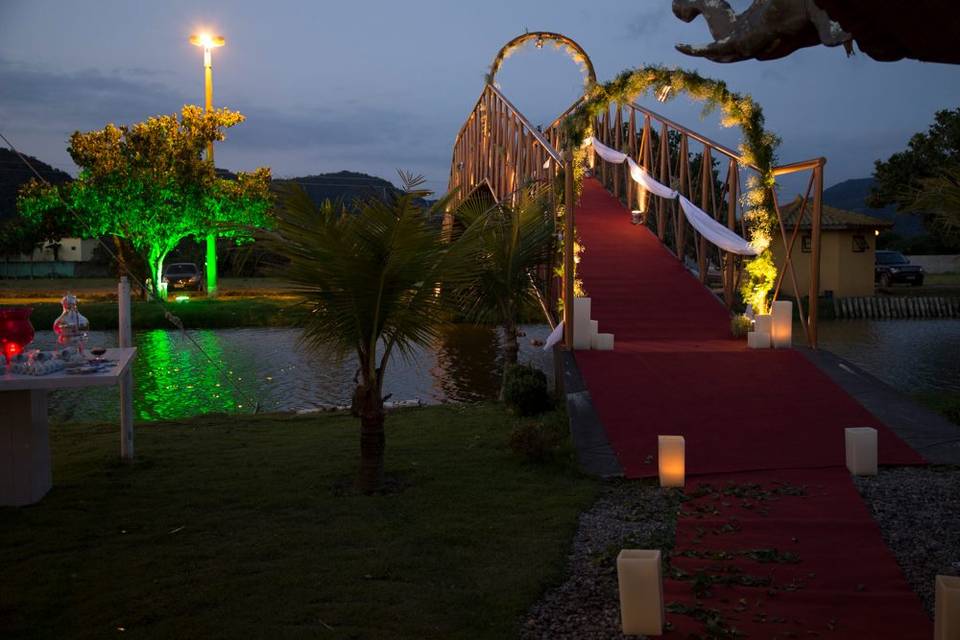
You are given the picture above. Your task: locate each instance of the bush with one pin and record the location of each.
(539, 439)
(525, 390)
(740, 325)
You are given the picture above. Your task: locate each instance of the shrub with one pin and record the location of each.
(740, 326)
(525, 390)
(541, 438)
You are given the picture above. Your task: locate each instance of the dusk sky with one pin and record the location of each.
(376, 86)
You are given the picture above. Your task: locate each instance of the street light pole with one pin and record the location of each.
(209, 43)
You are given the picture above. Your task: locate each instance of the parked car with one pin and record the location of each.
(183, 275)
(891, 267)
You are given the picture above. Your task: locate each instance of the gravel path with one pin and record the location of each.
(628, 514)
(918, 510)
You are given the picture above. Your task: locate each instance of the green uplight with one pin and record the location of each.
(182, 298)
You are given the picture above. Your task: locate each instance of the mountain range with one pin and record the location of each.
(852, 195)
(349, 185)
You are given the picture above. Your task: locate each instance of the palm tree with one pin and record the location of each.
(516, 240)
(377, 279)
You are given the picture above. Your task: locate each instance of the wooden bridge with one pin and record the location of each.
(764, 429)
(498, 149)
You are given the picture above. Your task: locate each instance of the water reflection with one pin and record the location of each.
(913, 356)
(174, 380)
(467, 363)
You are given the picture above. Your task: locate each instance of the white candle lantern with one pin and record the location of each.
(581, 323)
(758, 340)
(641, 592)
(782, 333)
(603, 342)
(763, 322)
(861, 445)
(671, 454)
(946, 610)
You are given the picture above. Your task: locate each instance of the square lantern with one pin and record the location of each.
(671, 458)
(782, 325)
(861, 450)
(603, 342)
(581, 323)
(758, 340)
(641, 592)
(946, 610)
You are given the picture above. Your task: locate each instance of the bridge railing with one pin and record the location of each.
(497, 147)
(712, 176)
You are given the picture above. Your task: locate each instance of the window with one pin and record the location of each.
(805, 243)
(860, 244)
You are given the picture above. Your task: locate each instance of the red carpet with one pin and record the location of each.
(677, 370)
(838, 581)
(749, 416)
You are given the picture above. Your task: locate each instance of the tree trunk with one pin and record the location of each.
(511, 351)
(372, 437)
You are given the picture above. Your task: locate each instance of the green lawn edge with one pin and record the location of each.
(230, 526)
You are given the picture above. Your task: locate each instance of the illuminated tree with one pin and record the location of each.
(149, 184)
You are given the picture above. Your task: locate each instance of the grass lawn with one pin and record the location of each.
(33, 290)
(246, 527)
(198, 313)
(946, 403)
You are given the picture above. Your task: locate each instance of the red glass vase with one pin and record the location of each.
(16, 332)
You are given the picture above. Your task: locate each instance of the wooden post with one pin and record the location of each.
(706, 186)
(618, 169)
(662, 205)
(568, 274)
(126, 380)
(685, 190)
(647, 162)
(815, 252)
(733, 190)
(633, 152)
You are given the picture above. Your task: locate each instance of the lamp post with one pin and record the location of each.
(209, 43)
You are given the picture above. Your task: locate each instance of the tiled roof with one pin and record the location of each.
(831, 218)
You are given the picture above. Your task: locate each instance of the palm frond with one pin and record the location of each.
(374, 279)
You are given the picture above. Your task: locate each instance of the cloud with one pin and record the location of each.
(648, 22)
(42, 107)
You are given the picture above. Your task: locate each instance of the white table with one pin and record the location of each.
(25, 475)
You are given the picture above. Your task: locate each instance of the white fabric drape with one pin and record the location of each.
(645, 180)
(699, 219)
(714, 231)
(555, 336)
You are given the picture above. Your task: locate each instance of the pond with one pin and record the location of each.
(175, 380)
(913, 356)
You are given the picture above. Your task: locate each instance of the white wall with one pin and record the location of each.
(71, 250)
(937, 264)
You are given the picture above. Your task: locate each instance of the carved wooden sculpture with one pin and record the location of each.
(925, 30)
(767, 30)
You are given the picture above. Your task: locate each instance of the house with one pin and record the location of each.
(848, 241)
(59, 259)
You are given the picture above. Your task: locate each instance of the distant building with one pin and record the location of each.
(848, 241)
(46, 262)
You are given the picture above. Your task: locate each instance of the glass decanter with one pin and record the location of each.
(71, 327)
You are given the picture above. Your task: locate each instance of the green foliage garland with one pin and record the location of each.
(757, 149)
